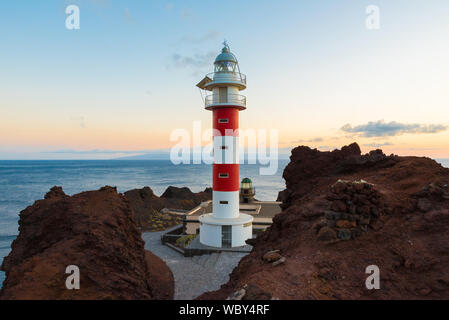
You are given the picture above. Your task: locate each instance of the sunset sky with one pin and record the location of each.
(126, 79)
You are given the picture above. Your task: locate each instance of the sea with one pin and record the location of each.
(23, 182)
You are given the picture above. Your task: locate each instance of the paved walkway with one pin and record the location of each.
(193, 275)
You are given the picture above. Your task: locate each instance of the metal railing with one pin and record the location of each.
(229, 99)
(224, 76)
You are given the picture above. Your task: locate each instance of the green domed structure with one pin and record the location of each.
(247, 191)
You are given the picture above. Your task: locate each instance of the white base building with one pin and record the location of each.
(225, 233)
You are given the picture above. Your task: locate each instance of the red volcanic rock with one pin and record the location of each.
(326, 234)
(339, 206)
(161, 277)
(93, 230)
(397, 218)
(271, 256)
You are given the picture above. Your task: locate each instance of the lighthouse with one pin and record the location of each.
(225, 227)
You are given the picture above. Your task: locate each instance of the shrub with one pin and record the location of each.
(185, 240)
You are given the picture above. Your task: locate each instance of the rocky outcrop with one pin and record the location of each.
(147, 207)
(94, 231)
(344, 211)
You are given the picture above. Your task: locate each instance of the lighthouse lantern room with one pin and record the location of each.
(225, 227)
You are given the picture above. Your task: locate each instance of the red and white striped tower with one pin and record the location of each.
(225, 226)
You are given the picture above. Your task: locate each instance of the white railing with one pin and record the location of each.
(229, 99)
(224, 76)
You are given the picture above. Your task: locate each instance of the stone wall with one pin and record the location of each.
(354, 206)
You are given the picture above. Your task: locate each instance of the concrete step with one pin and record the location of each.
(174, 248)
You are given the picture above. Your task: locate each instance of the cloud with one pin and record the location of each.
(195, 61)
(313, 140)
(383, 129)
(377, 145)
(327, 148)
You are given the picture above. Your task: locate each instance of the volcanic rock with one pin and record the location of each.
(400, 206)
(185, 193)
(327, 234)
(271, 256)
(254, 292)
(55, 192)
(281, 260)
(238, 295)
(363, 205)
(94, 231)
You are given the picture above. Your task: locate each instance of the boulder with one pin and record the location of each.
(327, 234)
(254, 292)
(344, 234)
(271, 256)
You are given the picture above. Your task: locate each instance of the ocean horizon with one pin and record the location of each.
(24, 181)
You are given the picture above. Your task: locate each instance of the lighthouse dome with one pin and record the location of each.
(226, 75)
(225, 56)
(246, 183)
(226, 61)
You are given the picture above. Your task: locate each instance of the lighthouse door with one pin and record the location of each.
(223, 95)
(226, 236)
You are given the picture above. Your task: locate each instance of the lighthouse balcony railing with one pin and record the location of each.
(227, 100)
(227, 77)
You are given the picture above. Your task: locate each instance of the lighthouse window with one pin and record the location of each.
(224, 202)
(223, 175)
(223, 120)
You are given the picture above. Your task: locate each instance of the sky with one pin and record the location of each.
(125, 80)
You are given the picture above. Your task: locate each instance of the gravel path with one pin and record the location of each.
(195, 275)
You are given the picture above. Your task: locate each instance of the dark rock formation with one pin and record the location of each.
(55, 192)
(402, 212)
(354, 206)
(93, 230)
(186, 194)
(147, 206)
